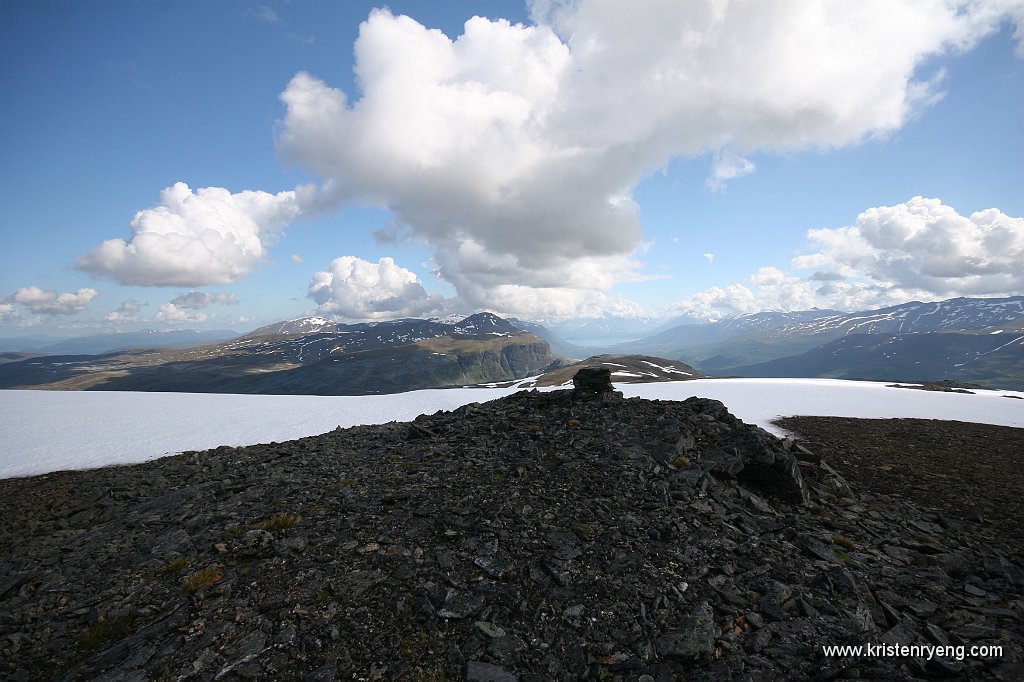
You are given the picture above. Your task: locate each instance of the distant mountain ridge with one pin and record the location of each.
(307, 356)
(995, 359)
(96, 344)
(811, 343)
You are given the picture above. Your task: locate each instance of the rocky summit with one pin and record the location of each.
(545, 536)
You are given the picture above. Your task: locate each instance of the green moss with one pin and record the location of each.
(232, 532)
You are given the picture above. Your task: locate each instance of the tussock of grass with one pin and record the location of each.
(279, 522)
(682, 461)
(204, 577)
(844, 542)
(821, 512)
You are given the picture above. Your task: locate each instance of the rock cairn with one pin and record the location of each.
(591, 381)
(537, 537)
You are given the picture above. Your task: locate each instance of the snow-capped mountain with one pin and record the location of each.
(952, 315)
(993, 359)
(309, 355)
(315, 338)
(969, 339)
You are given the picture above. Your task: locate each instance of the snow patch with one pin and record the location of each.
(52, 430)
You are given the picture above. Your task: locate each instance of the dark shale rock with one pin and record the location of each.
(693, 639)
(593, 380)
(545, 536)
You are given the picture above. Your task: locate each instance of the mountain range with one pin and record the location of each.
(306, 356)
(967, 339)
(976, 340)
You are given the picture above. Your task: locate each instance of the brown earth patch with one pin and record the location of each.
(973, 473)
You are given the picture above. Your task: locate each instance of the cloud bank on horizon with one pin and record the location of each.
(512, 153)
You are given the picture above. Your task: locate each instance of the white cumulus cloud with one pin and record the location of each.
(512, 151)
(921, 249)
(924, 245)
(126, 312)
(49, 302)
(357, 289)
(169, 312)
(197, 300)
(195, 238)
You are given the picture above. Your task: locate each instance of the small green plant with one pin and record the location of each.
(533, 428)
(844, 556)
(682, 461)
(204, 577)
(821, 512)
(103, 633)
(573, 422)
(277, 502)
(279, 522)
(925, 539)
(844, 542)
(232, 532)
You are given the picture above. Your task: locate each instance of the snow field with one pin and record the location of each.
(44, 431)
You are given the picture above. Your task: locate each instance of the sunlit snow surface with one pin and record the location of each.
(43, 431)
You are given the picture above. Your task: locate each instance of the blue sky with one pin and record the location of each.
(576, 160)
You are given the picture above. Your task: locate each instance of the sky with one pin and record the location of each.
(226, 165)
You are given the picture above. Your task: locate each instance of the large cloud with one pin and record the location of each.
(926, 246)
(920, 249)
(513, 150)
(357, 289)
(210, 236)
(49, 302)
